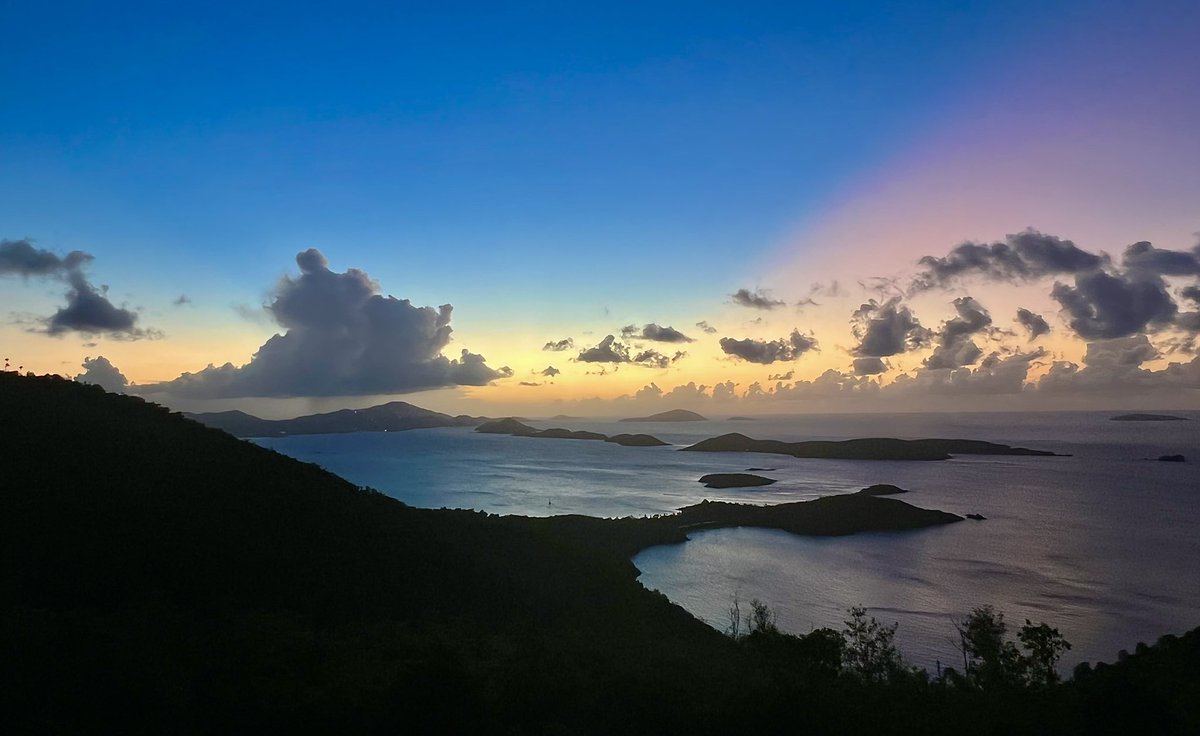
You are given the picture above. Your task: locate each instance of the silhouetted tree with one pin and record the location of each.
(870, 648)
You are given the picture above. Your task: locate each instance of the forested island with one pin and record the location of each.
(160, 576)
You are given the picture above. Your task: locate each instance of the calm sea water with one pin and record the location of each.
(1105, 544)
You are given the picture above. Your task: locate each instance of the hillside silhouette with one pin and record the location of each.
(157, 575)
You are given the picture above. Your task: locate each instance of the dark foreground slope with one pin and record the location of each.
(158, 576)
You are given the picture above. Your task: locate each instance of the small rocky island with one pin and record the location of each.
(1147, 418)
(882, 489)
(876, 448)
(674, 415)
(734, 480)
(512, 426)
(1172, 459)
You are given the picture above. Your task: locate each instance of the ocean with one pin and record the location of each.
(1104, 544)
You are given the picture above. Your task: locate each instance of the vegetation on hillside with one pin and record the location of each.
(159, 576)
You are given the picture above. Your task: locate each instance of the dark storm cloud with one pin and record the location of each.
(887, 329)
(706, 328)
(549, 371)
(607, 351)
(559, 346)
(88, 309)
(1035, 324)
(766, 352)
(756, 299)
(101, 372)
(1191, 293)
(1024, 256)
(341, 338)
(869, 366)
(955, 348)
(1103, 306)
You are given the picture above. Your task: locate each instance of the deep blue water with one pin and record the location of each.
(1105, 544)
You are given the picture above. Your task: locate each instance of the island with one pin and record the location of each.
(742, 419)
(636, 440)
(394, 416)
(875, 448)
(517, 428)
(734, 480)
(829, 516)
(674, 415)
(882, 489)
(1147, 418)
(1172, 459)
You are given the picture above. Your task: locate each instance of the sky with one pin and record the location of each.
(752, 207)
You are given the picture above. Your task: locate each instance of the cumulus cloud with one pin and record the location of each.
(1035, 324)
(102, 373)
(654, 333)
(559, 346)
(607, 351)
(766, 352)
(182, 300)
(869, 366)
(1103, 306)
(1142, 257)
(955, 348)
(341, 338)
(1024, 256)
(756, 299)
(22, 258)
(651, 359)
(1116, 366)
(528, 383)
(831, 384)
(706, 328)
(549, 371)
(88, 309)
(885, 329)
(782, 376)
(996, 374)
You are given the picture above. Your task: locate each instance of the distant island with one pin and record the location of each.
(734, 480)
(674, 415)
(394, 416)
(1147, 418)
(512, 426)
(561, 417)
(876, 448)
(742, 419)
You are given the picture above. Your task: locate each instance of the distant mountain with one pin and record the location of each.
(674, 415)
(394, 416)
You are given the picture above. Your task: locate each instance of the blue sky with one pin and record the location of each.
(555, 169)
